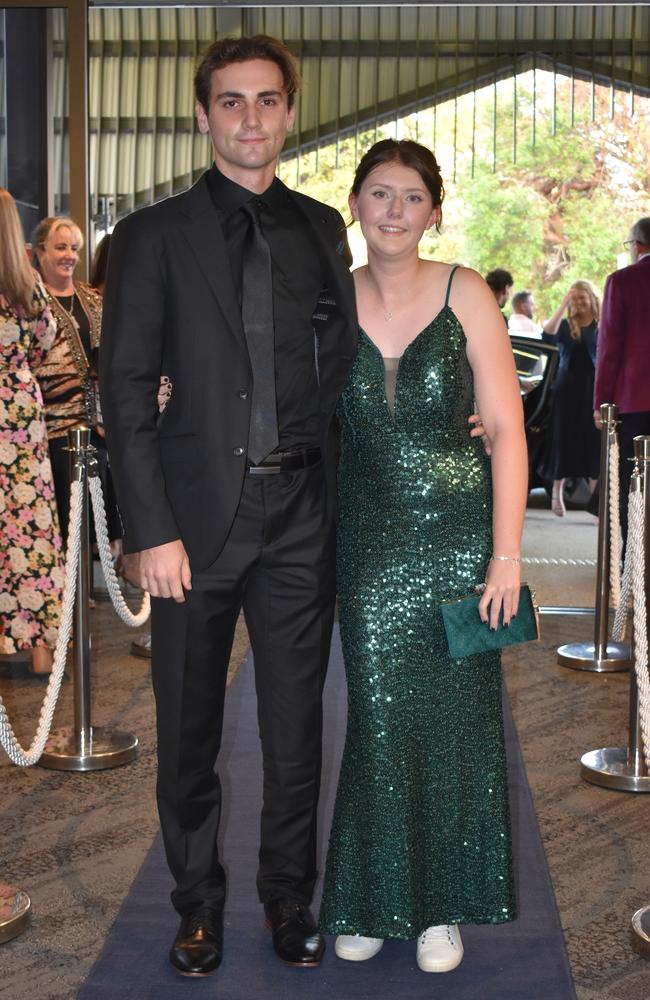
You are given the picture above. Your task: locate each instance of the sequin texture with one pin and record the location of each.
(420, 833)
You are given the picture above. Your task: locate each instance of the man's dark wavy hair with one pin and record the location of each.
(499, 279)
(226, 51)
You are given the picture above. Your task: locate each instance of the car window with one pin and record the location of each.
(531, 362)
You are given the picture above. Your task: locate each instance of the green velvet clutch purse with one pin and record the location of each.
(467, 634)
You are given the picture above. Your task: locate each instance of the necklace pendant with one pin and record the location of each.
(388, 317)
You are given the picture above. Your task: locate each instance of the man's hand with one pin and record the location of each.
(163, 571)
(476, 429)
(597, 419)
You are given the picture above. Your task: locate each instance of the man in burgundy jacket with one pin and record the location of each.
(623, 355)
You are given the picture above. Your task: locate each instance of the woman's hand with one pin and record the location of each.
(502, 585)
(552, 325)
(476, 429)
(164, 393)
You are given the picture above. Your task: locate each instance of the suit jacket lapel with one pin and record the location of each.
(342, 283)
(202, 229)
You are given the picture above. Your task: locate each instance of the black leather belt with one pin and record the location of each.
(287, 461)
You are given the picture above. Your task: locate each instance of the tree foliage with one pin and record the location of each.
(550, 196)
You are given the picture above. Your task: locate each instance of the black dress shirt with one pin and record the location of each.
(298, 278)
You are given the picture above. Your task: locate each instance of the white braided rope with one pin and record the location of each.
(614, 523)
(623, 606)
(530, 561)
(635, 541)
(27, 758)
(113, 587)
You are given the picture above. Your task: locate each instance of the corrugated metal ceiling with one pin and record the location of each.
(360, 65)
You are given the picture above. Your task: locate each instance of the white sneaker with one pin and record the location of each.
(440, 949)
(356, 948)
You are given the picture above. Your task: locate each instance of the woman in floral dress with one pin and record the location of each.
(31, 572)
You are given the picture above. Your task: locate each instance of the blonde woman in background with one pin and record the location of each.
(573, 446)
(68, 373)
(31, 574)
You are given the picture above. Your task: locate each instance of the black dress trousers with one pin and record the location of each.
(630, 425)
(278, 564)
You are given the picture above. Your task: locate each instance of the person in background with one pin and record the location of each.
(623, 356)
(573, 443)
(31, 569)
(100, 263)
(67, 373)
(521, 320)
(500, 283)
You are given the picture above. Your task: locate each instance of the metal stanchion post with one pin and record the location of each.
(600, 655)
(86, 747)
(17, 920)
(641, 919)
(624, 768)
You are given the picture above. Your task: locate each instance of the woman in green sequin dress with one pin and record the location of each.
(420, 839)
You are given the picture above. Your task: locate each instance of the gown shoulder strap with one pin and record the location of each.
(451, 275)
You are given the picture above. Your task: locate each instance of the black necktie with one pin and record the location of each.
(257, 318)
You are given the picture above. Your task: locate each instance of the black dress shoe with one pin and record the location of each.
(295, 936)
(198, 947)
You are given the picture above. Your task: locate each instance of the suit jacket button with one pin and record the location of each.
(238, 451)
(242, 393)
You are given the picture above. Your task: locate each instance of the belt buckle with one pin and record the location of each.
(294, 461)
(264, 470)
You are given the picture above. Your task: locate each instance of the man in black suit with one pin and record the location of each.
(227, 497)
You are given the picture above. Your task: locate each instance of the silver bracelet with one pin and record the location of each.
(513, 559)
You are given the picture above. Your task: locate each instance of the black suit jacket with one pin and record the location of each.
(170, 308)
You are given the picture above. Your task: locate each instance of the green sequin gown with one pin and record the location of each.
(420, 835)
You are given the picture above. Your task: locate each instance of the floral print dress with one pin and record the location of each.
(31, 561)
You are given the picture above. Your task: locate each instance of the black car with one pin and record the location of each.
(536, 364)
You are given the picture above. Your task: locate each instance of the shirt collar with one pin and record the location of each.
(228, 196)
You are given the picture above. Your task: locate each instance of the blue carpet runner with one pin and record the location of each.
(523, 960)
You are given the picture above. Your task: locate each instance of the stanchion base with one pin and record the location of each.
(105, 748)
(582, 656)
(641, 932)
(609, 768)
(18, 921)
